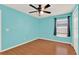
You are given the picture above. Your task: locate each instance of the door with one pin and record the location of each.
(0, 30)
(75, 29)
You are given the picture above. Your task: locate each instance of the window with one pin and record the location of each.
(62, 27)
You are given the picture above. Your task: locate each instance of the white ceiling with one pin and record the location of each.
(56, 9)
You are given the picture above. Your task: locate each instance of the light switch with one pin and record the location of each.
(7, 29)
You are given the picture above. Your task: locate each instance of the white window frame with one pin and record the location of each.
(61, 30)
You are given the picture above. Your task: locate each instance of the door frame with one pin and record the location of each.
(0, 32)
(75, 28)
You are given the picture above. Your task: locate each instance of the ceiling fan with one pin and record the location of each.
(40, 10)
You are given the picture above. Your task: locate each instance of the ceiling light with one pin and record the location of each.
(41, 12)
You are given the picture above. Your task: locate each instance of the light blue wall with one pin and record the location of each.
(22, 27)
(47, 28)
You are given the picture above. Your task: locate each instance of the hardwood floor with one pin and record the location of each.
(42, 47)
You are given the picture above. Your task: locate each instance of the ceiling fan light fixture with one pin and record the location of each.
(41, 12)
(40, 9)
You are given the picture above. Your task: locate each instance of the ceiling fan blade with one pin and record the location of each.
(33, 6)
(47, 12)
(47, 6)
(33, 11)
(39, 7)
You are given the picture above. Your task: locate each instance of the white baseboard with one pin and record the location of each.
(17, 45)
(30, 41)
(75, 49)
(54, 40)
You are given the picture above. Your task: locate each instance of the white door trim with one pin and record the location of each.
(75, 29)
(0, 30)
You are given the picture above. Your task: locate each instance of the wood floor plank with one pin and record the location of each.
(42, 47)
